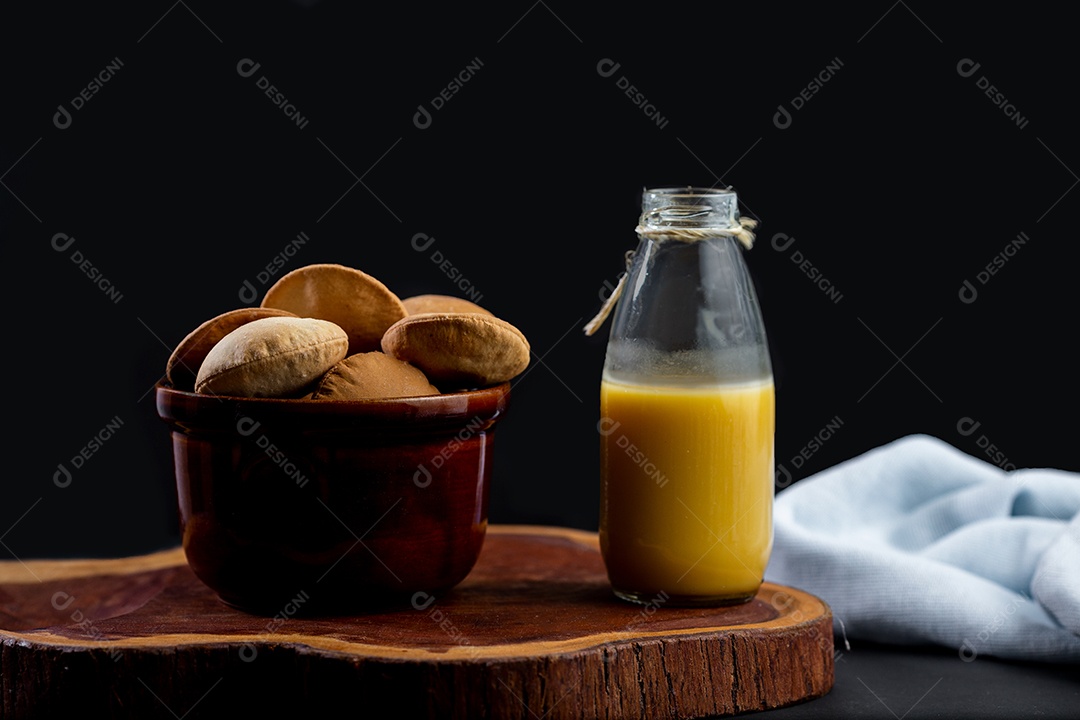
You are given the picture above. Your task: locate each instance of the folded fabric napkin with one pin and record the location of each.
(916, 542)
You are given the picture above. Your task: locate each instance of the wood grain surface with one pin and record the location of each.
(533, 632)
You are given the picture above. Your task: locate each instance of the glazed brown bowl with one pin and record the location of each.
(331, 505)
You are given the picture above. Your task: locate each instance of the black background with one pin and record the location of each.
(898, 179)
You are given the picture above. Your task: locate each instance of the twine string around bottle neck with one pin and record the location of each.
(744, 233)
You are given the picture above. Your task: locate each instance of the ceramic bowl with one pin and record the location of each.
(332, 505)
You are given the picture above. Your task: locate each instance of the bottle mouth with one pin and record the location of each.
(689, 191)
(690, 206)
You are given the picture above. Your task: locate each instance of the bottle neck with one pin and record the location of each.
(690, 214)
(687, 314)
(743, 232)
(684, 215)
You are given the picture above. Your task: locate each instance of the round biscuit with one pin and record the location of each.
(355, 301)
(183, 364)
(372, 375)
(459, 350)
(433, 303)
(272, 357)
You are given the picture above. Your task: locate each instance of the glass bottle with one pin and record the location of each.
(687, 410)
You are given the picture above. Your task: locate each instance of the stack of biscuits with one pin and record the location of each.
(332, 332)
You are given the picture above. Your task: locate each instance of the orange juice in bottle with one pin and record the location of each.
(687, 411)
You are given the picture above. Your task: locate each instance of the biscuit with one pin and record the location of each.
(183, 365)
(440, 304)
(459, 350)
(353, 300)
(272, 357)
(372, 375)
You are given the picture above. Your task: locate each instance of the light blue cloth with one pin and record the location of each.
(916, 542)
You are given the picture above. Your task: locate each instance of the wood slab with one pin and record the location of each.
(533, 632)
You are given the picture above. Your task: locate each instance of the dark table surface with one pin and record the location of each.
(882, 681)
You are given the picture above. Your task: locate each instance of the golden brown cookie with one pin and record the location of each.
(271, 357)
(355, 301)
(459, 350)
(371, 375)
(441, 304)
(183, 364)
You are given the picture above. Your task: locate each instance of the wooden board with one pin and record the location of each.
(533, 632)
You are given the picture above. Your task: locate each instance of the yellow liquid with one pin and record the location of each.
(686, 490)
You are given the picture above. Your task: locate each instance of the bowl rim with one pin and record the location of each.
(163, 385)
(182, 406)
